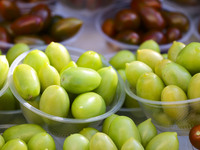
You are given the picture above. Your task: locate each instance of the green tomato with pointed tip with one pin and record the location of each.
(159, 66)
(58, 55)
(169, 140)
(149, 57)
(107, 122)
(131, 144)
(189, 57)
(70, 64)
(88, 132)
(101, 141)
(149, 86)
(121, 129)
(174, 50)
(76, 141)
(147, 131)
(175, 74)
(150, 44)
(134, 70)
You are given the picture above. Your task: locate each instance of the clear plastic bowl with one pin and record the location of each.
(136, 114)
(10, 116)
(110, 13)
(163, 122)
(58, 126)
(25, 7)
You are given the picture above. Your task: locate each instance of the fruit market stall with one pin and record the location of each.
(99, 73)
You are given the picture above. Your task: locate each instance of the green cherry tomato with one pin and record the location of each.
(26, 81)
(22, 131)
(88, 105)
(76, 141)
(15, 51)
(150, 44)
(36, 59)
(101, 141)
(41, 141)
(169, 140)
(147, 131)
(79, 80)
(88, 132)
(58, 55)
(132, 144)
(121, 129)
(15, 144)
(55, 101)
(107, 122)
(90, 59)
(122, 57)
(134, 70)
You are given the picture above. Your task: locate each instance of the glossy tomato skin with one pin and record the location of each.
(194, 136)
(28, 24)
(42, 11)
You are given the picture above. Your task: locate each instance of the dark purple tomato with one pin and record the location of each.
(28, 24)
(4, 36)
(194, 136)
(42, 11)
(152, 18)
(137, 4)
(127, 19)
(155, 35)
(177, 19)
(129, 37)
(9, 10)
(173, 34)
(108, 27)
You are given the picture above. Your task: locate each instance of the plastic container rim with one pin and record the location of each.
(61, 119)
(153, 102)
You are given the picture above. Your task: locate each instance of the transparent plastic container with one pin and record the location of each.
(155, 110)
(10, 116)
(110, 13)
(25, 7)
(58, 126)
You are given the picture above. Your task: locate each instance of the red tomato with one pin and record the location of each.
(194, 136)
